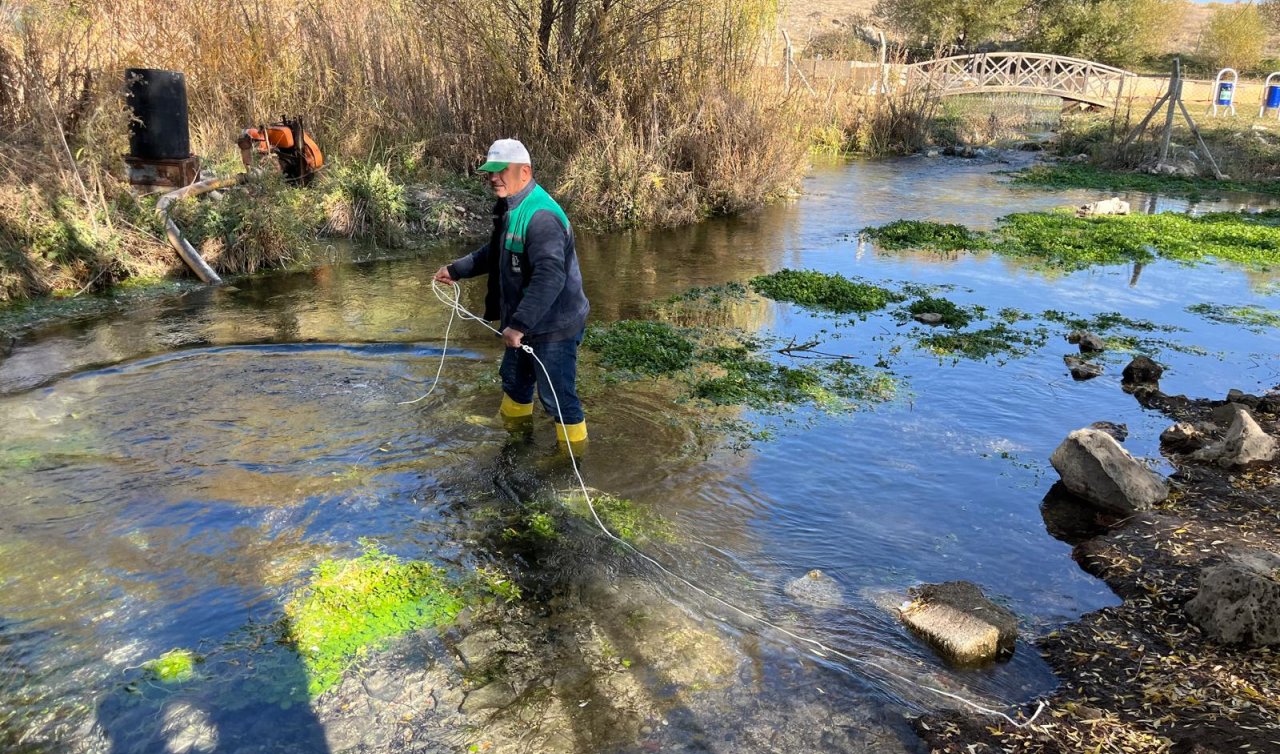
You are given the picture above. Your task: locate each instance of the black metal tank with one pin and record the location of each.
(159, 103)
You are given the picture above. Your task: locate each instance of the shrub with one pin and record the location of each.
(1235, 37)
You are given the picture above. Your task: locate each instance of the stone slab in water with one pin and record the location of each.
(960, 623)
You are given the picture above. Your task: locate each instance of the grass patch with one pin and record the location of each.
(817, 290)
(352, 605)
(639, 347)
(953, 315)
(1250, 316)
(174, 666)
(1069, 176)
(922, 234)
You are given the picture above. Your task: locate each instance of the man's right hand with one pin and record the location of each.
(443, 276)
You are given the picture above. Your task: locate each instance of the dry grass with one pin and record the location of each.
(646, 112)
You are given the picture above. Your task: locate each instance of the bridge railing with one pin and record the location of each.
(1034, 73)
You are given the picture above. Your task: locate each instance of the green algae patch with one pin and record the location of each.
(1069, 176)
(353, 605)
(641, 347)
(953, 315)
(825, 292)
(1251, 316)
(1106, 321)
(923, 234)
(174, 666)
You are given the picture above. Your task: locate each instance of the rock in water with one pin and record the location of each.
(1094, 466)
(1239, 601)
(1245, 443)
(959, 622)
(1113, 206)
(815, 588)
(1142, 371)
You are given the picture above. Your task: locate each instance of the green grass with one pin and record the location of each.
(922, 234)
(353, 605)
(817, 290)
(1251, 316)
(1067, 176)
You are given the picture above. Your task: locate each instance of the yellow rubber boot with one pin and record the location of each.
(574, 433)
(512, 410)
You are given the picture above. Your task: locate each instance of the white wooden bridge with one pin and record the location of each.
(1023, 72)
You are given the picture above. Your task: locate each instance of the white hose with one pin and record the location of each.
(815, 646)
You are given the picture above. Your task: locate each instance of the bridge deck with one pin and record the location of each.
(1033, 73)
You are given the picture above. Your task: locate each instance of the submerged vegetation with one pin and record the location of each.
(1062, 240)
(351, 605)
(1251, 316)
(174, 666)
(930, 236)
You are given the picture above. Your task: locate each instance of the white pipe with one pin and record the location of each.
(188, 253)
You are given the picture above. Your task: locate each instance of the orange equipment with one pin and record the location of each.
(282, 139)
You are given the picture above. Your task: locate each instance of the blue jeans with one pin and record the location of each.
(520, 373)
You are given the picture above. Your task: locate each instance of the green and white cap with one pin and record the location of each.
(503, 153)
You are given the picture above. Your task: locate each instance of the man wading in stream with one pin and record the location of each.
(535, 291)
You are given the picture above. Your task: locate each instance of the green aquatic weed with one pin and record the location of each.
(628, 520)
(998, 340)
(1068, 175)
(174, 666)
(953, 315)
(923, 234)
(352, 605)
(641, 347)
(1250, 316)
(818, 290)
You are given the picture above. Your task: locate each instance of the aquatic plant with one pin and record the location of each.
(1086, 176)
(953, 315)
(923, 234)
(999, 340)
(1250, 316)
(497, 582)
(826, 292)
(174, 666)
(1105, 321)
(351, 605)
(640, 347)
(743, 378)
(628, 520)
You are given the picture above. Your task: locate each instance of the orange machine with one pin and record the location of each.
(282, 140)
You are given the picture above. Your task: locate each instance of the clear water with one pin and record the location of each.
(171, 473)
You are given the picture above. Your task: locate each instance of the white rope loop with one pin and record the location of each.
(815, 646)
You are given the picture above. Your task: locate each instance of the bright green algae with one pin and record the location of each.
(352, 605)
(1065, 176)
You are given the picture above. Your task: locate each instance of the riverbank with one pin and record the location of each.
(1142, 676)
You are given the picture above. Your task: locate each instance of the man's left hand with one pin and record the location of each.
(512, 338)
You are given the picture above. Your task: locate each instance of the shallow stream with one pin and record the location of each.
(171, 472)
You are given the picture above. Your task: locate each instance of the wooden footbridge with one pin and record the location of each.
(1071, 79)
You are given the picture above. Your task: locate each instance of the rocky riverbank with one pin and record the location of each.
(1188, 664)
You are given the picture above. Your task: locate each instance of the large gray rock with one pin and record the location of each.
(1094, 467)
(1239, 601)
(960, 623)
(1244, 443)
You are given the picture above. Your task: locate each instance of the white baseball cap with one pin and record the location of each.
(503, 153)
